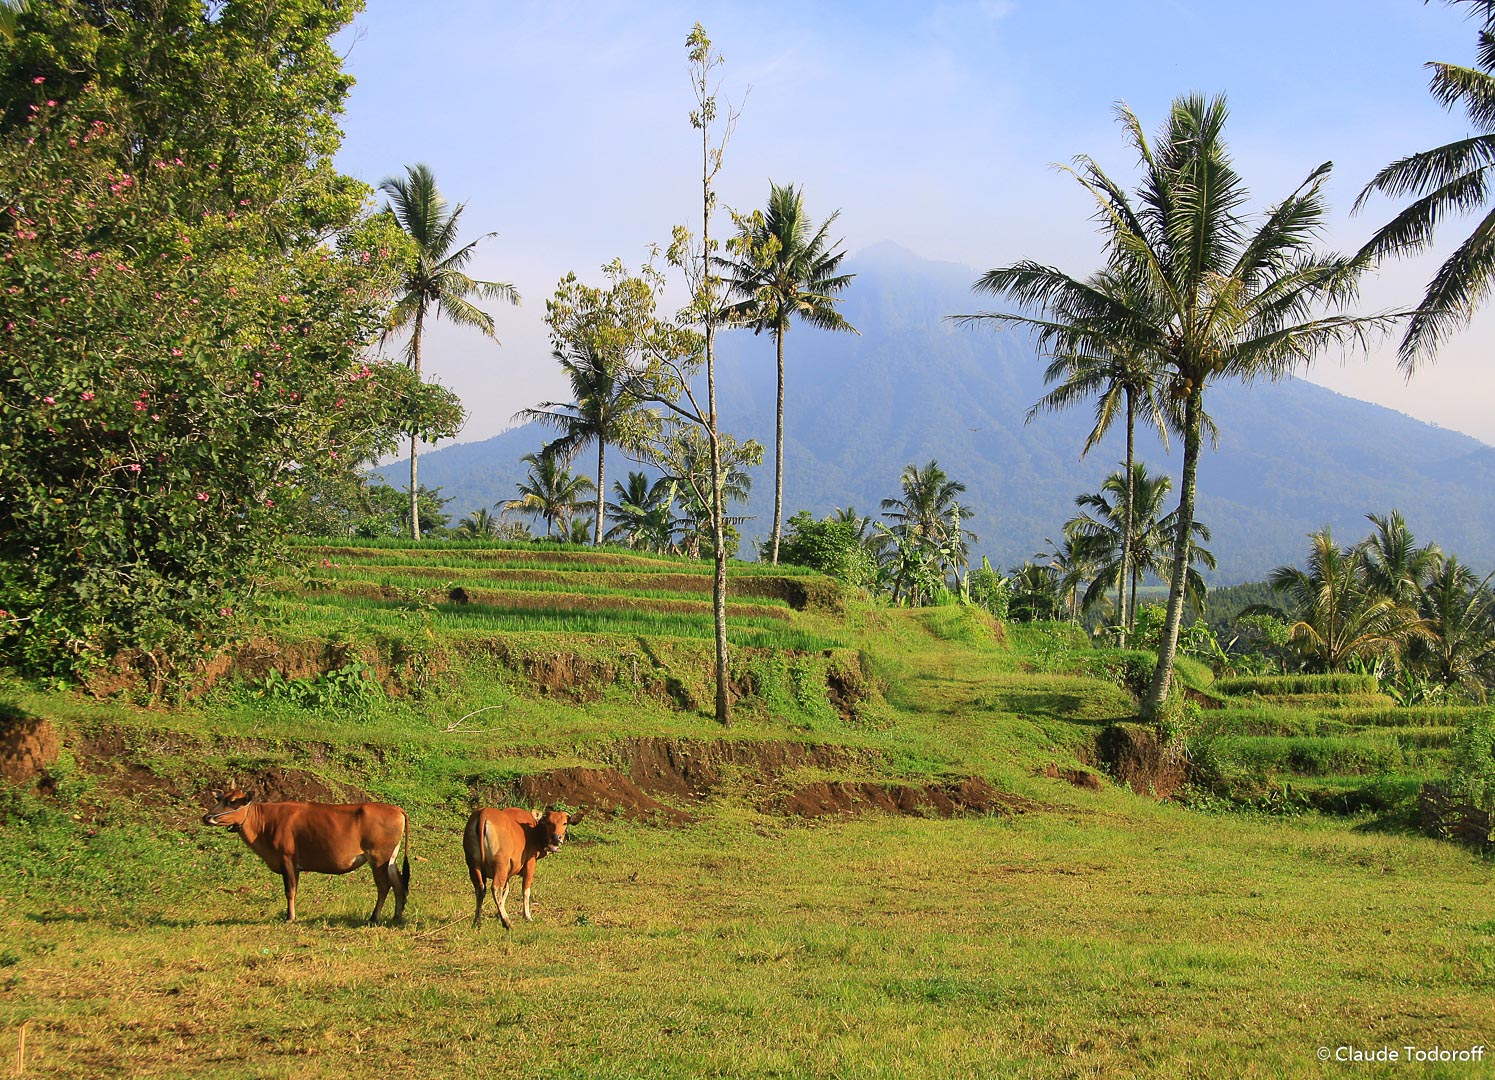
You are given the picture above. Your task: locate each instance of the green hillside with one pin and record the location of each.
(907, 853)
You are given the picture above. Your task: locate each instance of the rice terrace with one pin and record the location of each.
(740, 781)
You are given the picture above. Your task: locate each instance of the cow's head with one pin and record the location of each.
(554, 824)
(229, 809)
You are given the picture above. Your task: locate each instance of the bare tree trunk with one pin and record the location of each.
(778, 453)
(1157, 693)
(420, 317)
(601, 490)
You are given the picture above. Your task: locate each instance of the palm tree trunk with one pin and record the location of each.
(601, 498)
(420, 318)
(1126, 524)
(778, 451)
(1157, 693)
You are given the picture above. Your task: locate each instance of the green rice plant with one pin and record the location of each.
(1306, 755)
(1412, 715)
(1322, 702)
(1280, 685)
(1266, 719)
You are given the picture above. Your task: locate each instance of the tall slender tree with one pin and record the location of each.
(434, 282)
(784, 269)
(1124, 380)
(1220, 296)
(1454, 178)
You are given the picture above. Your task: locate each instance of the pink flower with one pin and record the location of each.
(51, 102)
(39, 80)
(49, 401)
(134, 468)
(225, 611)
(202, 496)
(176, 352)
(88, 395)
(154, 416)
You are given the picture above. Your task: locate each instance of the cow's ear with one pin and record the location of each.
(216, 796)
(245, 798)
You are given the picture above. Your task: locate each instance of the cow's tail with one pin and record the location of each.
(405, 867)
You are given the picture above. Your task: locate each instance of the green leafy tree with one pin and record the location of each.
(599, 336)
(784, 269)
(1216, 294)
(1450, 179)
(183, 360)
(833, 545)
(434, 281)
(549, 492)
(478, 525)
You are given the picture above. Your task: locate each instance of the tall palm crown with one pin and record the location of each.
(1453, 178)
(549, 492)
(1208, 292)
(1122, 379)
(434, 282)
(1394, 565)
(784, 271)
(605, 409)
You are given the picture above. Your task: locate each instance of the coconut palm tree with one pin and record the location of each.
(1458, 610)
(478, 525)
(929, 519)
(9, 9)
(605, 409)
(1123, 380)
(549, 492)
(1216, 295)
(1339, 616)
(1394, 565)
(784, 271)
(1452, 178)
(434, 282)
(642, 512)
(1101, 532)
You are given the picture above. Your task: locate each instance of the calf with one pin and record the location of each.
(501, 843)
(296, 836)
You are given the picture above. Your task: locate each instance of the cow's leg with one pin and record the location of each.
(382, 875)
(529, 879)
(501, 894)
(479, 887)
(401, 887)
(288, 875)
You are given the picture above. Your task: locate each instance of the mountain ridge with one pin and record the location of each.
(917, 386)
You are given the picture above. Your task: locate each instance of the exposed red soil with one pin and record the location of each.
(684, 770)
(1080, 778)
(972, 795)
(28, 746)
(1134, 757)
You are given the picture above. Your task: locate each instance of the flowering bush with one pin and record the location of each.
(175, 375)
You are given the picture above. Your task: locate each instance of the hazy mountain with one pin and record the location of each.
(915, 386)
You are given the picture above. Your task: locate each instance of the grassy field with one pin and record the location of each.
(1071, 932)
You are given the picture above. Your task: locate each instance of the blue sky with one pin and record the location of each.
(564, 128)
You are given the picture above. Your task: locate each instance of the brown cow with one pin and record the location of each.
(324, 839)
(501, 843)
